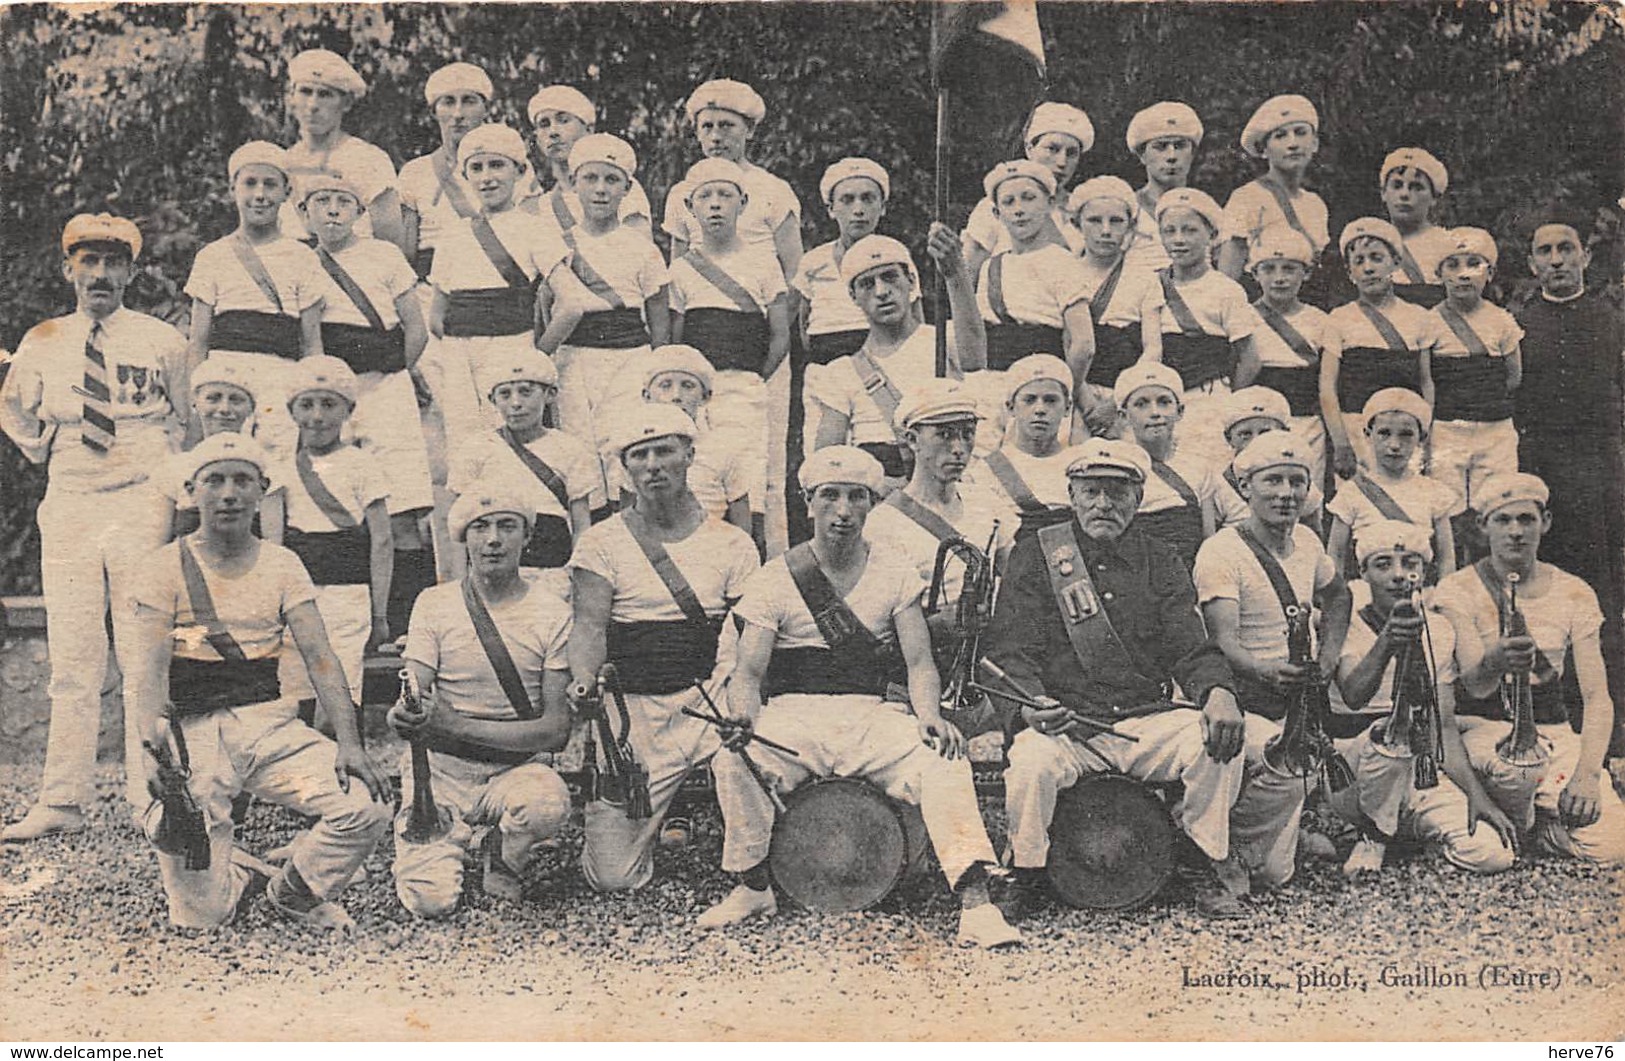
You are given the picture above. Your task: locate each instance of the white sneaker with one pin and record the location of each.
(1366, 857)
(43, 820)
(741, 904)
(984, 926)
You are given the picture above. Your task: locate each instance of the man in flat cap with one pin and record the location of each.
(92, 396)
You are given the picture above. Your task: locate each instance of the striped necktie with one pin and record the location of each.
(97, 429)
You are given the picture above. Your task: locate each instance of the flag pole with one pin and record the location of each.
(940, 291)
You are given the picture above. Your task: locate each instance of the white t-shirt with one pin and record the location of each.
(830, 305)
(1226, 569)
(1219, 305)
(219, 280)
(715, 560)
(626, 259)
(381, 271)
(488, 457)
(1138, 295)
(1252, 208)
(253, 606)
(838, 388)
(1498, 329)
(1361, 639)
(769, 203)
(535, 627)
(1422, 498)
(1565, 612)
(889, 525)
(1189, 465)
(1273, 351)
(752, 266)
(1429, 248)
(1354, 329)
(422, 192)
(888, 585)
(354, 478)
(1044, 476)
(1038, 286)
(461, 264)
(362, 164)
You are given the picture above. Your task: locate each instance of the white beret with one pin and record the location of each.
(678, 357)
(1249, 402)
(1034, 368)
(101, 228)
(561, 98)
(707, 170)
(872, 252)
(321, 373)
(606, 148)
(1417, 159)
(1168, 118)
(1117, 458)
(520, 363)
(1398, 400)
(1060, 118)
(329, 182)
(492, 138)
(487, 499)
(641, 421)
(1009, 171)
(1392, 536)
(322, 67)
(841, 464)
(216, 371)
(1370, 228)
(223, 447)
(1146, 374)
(846, 169)
(935, 401)
(1191, 199)
(1509, 488)
(1270, 450)
(455, 78)
(257, 153)
(1470, 240)
(1104, 188)
(726, 95)
(1281, 242)
(1271, 115)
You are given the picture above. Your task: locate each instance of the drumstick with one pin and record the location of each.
(1026, 698)
(716, 719)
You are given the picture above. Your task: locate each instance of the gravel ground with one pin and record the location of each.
(88, 955)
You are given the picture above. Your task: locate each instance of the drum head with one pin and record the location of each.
(839, 846)
(1111, 844)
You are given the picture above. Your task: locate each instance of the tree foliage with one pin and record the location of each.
(135, 108)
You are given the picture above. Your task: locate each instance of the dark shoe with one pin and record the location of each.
(1023, 896)
(1214, 900)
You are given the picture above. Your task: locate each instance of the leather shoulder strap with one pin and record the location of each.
(495, 250)
(654, 550)
(1464, 331)
(1005, 472)
(1089, 628)
(1385, 328)
(1177, 306)
(718, 278)
(995, 290)
(496, 651)
(1289, 335)
(877, 385)
(837, 623)
(1543, 669)
(197, 594)
(939, 528)
(561, 214)
(1381, 499)
(351, 289)
(594, 280)
(320, 495)
(1372, 620)
(1288, 211)
(1407, 262)
(1168, 475)
(1102, 298)
(538, 467)
(249, 259)
(1277, 575)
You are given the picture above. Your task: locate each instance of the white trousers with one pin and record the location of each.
(1201, 426)
(452, 366)
(387, 425)
(1466, 452)
(91, 546)
(263, 750)
(1169, 748)
(594, 382)
(618, 854)
(1264, 823)
(850, 736)
(347, 614)
(1312, 430)
(527, 804)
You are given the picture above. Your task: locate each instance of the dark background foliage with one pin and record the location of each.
(133, 109)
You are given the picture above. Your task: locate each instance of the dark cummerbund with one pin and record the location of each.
(655, 658)
(823, 672)
(198, 686)
(1260, 699)
(728, 338)
(1425, 295)
(611, 329)
(333, 558)
(1551, 709)
(366, 349)
(1471, 388)
(826, 347)
(422, 262)
(1198, 359)
(549, 545)
(490, 311)
(1178, 528)
(1365, 370)
(1009, 343)
(253, 332)
(1115, 350)
(1300, 386)
(895, 461)
(478, 753)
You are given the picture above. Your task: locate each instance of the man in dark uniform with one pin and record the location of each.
(1570, 429)
(1100, 620)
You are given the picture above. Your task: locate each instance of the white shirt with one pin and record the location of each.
(381, 271)
(1362, 639)
(1226, 569)
(362, 164)
(715, 560)
(888, 585)
(253, 606)
(830, 305)
(888, 524)
(769, 203)
(838, 387)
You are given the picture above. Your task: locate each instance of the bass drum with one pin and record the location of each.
(842, 845)
(1111, 844)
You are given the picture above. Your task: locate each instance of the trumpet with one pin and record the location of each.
(963, 702)
(1522, 747)
(1415, 724)
(1302, 748)
(426, 822)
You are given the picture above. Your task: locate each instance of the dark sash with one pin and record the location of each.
(1385, 328)
(1198, 359)
(490, 311)
(878, 387)
(654, 551)
(1381, 499)
(1116, 348)
(1095, 641)
(995, 290)
(1545, 685)
(497, 654)
(320, 495)
(930, 521)
(856, 661)
(1299, 386)
(612, 329)
(1365, 370)
(1260, 698)
(333, 558)
(594, 281)
(1289, 335)
(1464, 331)
(1014, 485)
(550, 543)
(1408, 263)
(202, 604)
(1288, 212)
(1180, 528)
(660, 657)
(1471, 388)
(498, 253)
(351, 289)
(200, 686)
(254, 266)
(1101, 300)
(718, 278)
(543, 471)
(1008, 343)
(729, 339)
(561, 214)
(364, 349)
(831, 346)
(1177, 305)
(251, 331)
(1425, 295)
